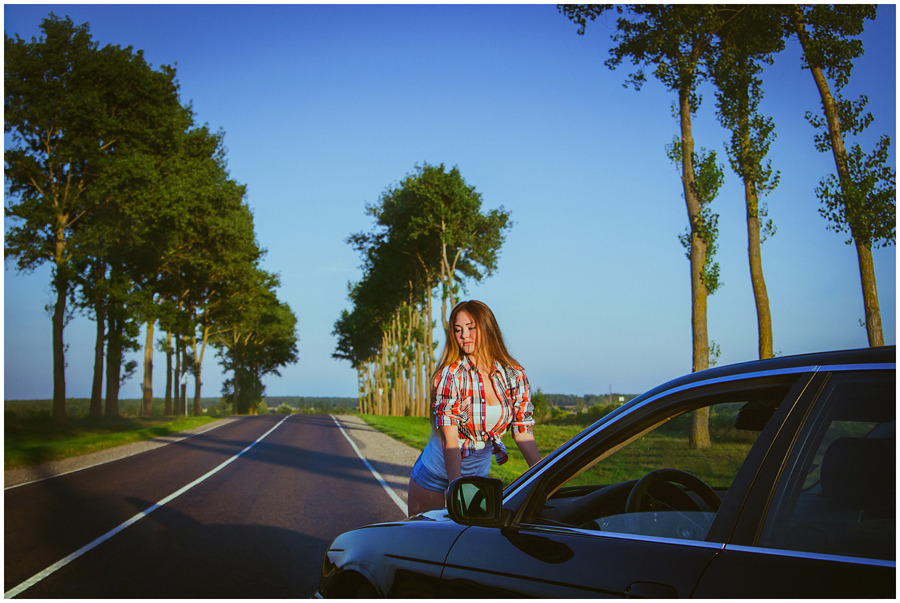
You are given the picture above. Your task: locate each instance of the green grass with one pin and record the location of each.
(662, 448)
(33, 441)
(414, 431)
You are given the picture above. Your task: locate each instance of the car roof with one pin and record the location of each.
(857, 357)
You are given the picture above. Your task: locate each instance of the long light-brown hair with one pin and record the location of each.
(490, 347)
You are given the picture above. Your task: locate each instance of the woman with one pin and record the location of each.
(479, 391)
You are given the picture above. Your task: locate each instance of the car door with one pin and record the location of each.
(573, 537)
(820, 520)
(556, 562)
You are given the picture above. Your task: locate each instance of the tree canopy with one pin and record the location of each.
(430, 231)
(112, 183)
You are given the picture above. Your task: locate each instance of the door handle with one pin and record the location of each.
(650, 590)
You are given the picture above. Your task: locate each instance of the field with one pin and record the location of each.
(415, 431)
(665, 447)
(30, 438)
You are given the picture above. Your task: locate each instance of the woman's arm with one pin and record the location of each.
(528, 447)
(450, 446)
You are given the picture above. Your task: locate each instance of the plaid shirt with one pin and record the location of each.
(459, 400)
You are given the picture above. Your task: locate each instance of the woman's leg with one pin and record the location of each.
(420, 499)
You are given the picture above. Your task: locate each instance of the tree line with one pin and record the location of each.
(112, 183)
(728, 45)
(430, 237)
(387, 336)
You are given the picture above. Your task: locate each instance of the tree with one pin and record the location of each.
(861, 198)
(746, 43)
(74, 112)
(447, 212)
(677, 42)
(260, 338)
(214, 249)
(430, 229)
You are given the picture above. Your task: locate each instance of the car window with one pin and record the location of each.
(837, 492)
(659, 483)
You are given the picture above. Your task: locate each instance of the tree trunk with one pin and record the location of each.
(169, 409)
(429, 338)
(58, 411)
(360, 388)
(176, 381)
(147, 399)
(700, 338)
(198, 408)
(448, 272)
(235, 384)
(198, 362)
(760, 293)
(182, 382)
(699, 437)
(863, 248)
(113, 363)
(418, 351)
(870, 294)
(96, 410)
(754, 245)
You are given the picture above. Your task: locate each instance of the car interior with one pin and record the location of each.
(836, 494)
(839, 494)
(655, 483)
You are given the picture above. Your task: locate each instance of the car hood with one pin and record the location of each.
(419, 544)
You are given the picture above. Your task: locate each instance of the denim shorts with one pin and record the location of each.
(428, 480)
(426, 474)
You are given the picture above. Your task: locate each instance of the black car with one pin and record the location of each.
(793, 497)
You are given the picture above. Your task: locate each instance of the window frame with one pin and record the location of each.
(655, 410)
(813, 421)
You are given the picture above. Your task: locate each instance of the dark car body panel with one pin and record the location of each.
(434, 556)
(406, 556)
(545, 562)
(752, 573)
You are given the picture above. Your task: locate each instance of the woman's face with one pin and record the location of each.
(464, 329)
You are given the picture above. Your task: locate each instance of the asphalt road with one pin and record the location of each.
(221, 514)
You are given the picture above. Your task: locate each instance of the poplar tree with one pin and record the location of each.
(747, 43)
(676, 42)
(860, 198)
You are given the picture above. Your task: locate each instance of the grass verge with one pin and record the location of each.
(717, 465)
(415, 431)
(31, 442)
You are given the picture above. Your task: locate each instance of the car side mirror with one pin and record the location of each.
(475, 501)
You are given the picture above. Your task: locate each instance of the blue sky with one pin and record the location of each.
(326, 106)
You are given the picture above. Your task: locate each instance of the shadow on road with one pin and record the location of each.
(168, 555)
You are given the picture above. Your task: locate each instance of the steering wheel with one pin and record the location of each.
(694, 484)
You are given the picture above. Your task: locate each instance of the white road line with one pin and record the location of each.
(63, 562)
(381, 480)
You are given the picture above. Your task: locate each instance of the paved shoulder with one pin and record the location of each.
(392, 459)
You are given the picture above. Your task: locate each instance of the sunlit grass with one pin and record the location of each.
(415, 431)
(716, 465)
(31, 442)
